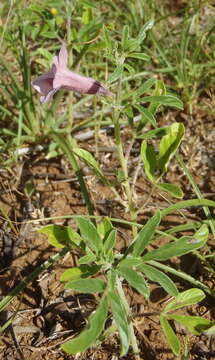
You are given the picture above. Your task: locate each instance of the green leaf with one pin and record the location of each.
(125, 36)
(86, 285)
(180, 247)
(147, 116)
(195, 324)
(133, 44)
(104, 227)
(109, 242)
(159, 277)
(156, 133)
(172, 189)
(120, 317)
(135, 279)
(71, 274)
(167, 100)
(107, 38)
(148, 156)
(130, 261)
(88, 258)
(116, 74)
(89, 233)
(202, 233)
(90, 161)
(185, 298)
(169, 145)
(82, 271)
(112, 276)
(92, 331)
(144, 88)
(170, 335)
(60, 236)
(145, 235)
(211, 331)
(141, 56)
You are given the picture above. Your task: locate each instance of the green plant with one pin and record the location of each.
(137, 104)
(103, 270)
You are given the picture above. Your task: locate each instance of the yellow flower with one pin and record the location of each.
(54, 11)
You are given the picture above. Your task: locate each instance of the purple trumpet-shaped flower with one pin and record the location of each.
(60, 77)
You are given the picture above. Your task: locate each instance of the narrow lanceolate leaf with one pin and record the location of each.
(145, 235)
(92, 331)
(195, 324)
(169, 145)
(89, 233)
(86, 285)
(156, 133)
(120, 317)
(88, 158)
(167, 100)
(144, 88)
(147, 116)
(185, 298)
(136, 280)
(104, 227)
(109, 242)
(141, 56)
(170, 335)
(159, 277)
(130, 261)
(125, 36)
(148, 155)
(182, 246)
(116, 74)
(88, 258)
(171, 189)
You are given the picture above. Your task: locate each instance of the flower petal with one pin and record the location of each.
(48, 96)
(71, 81)
(63, 57)
(44, 83)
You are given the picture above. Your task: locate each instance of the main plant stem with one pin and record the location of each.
(122, 159)
(128, 312)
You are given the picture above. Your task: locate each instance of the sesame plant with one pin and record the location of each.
(102, 268)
